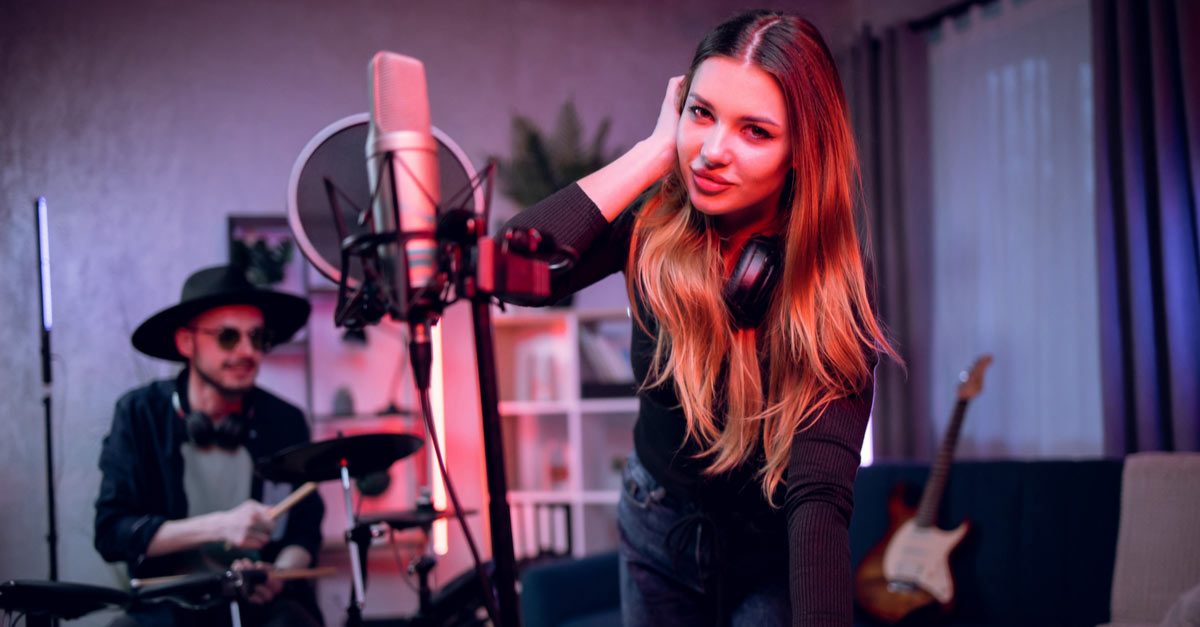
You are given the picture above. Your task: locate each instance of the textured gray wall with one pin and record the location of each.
(145, 123)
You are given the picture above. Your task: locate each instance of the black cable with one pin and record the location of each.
(404, 574)
(484, 581)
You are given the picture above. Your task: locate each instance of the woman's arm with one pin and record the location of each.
(819, 502)
(585, 221)
(617, 184)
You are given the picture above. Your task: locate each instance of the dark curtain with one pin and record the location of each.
(1147, 99)
(886, 82)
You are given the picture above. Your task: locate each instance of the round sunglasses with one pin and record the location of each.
(229, 337)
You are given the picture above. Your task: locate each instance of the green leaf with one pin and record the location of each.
(541, 164)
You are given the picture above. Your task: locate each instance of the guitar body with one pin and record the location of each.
(921, 555)
(907, 575)
(908, 571)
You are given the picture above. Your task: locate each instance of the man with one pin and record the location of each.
(178, 488)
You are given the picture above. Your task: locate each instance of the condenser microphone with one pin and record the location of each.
(403, 174)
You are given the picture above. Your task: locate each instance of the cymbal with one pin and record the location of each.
(322, 461)
(58, 599)
(419, 517)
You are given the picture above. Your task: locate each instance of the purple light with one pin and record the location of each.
(44, 257)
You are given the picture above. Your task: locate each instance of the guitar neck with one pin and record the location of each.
(936, 485)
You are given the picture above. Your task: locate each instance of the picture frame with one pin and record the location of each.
(266, 246)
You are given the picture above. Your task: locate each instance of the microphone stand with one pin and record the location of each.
(43, 229)
(479, 269)
(503, 552)
(458, 246)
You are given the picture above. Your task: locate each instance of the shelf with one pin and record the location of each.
(610, 438)
(527, 316)
(526, 497)
(593, 315)
(535, 358)
(608, 405)
(541, 527)
(587, 497)
(522, 316)
(536, 452)
(600, 529)
(564, 448)
(532, 408)
(601, 497)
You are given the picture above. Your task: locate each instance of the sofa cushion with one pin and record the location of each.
(609, 618)
(579, 592)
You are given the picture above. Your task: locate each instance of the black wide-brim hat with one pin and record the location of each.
(283, 313)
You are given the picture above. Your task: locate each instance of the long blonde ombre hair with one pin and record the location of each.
(820, 328)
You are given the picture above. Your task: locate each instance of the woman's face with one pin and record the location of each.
(733, 146)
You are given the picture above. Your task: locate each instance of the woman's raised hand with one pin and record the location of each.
(663, 137)
(617, 184)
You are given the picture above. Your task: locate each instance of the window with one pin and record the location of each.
(1013, 233)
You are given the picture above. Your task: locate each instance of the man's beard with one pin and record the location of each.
(221, 388)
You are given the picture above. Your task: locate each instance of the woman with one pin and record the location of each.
(754, 340)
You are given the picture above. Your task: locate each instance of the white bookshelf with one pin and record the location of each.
(562, 448)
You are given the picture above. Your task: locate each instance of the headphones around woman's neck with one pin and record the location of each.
(228, 434)
(751, 286)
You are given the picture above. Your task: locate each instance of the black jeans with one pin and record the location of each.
(683, 564)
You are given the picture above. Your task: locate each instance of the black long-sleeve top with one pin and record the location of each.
(818, 499)
(142, 476)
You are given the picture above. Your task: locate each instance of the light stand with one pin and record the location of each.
(43, 228)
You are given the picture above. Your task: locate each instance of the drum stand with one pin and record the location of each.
(235, 613)
(357, 545)
(358, 540)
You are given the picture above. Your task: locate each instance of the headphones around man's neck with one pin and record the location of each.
(229, 434)
(751, 285)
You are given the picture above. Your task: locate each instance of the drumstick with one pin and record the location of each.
(285, 504)
(291, 500)
(282, 575)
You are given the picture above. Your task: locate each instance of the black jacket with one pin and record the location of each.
(142, 483)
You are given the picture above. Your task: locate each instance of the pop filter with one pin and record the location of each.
(329, 185)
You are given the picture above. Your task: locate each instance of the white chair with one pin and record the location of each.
(1158, 541)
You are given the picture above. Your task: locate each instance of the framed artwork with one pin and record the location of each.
(266, 247)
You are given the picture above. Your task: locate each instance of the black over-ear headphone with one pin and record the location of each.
(751, 286)
(201, 431)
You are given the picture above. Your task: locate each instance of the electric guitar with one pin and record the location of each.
(909, 570)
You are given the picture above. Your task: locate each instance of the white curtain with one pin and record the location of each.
(1014, 252)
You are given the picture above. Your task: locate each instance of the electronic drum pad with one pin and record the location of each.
(337, 156)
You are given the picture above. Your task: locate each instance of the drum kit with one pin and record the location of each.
(338, 459)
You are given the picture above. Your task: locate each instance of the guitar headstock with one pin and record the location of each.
(972, 380)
